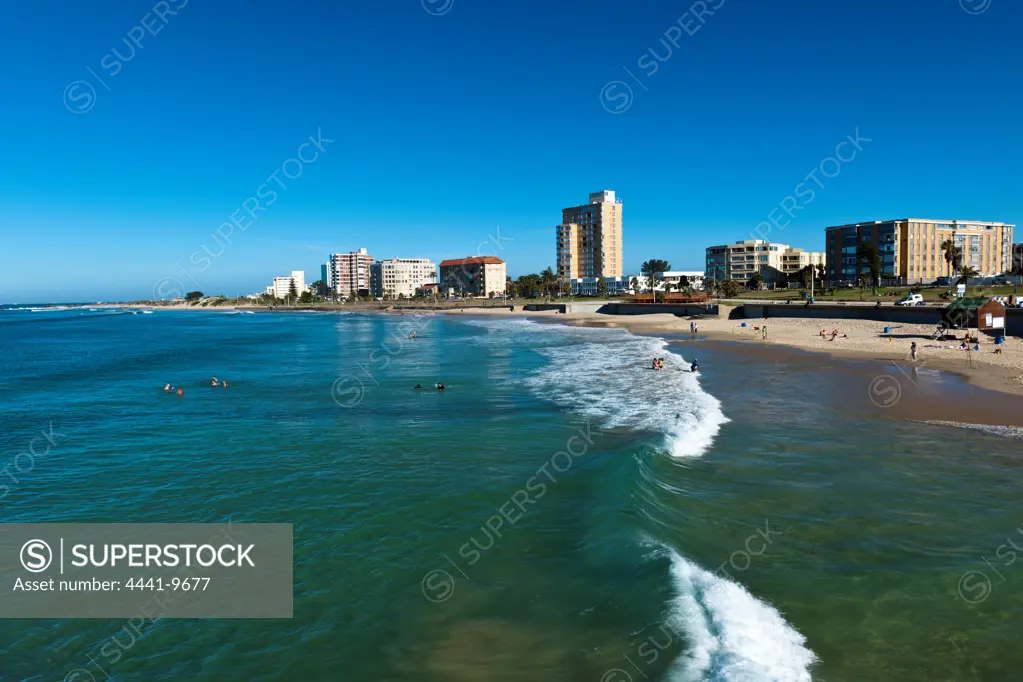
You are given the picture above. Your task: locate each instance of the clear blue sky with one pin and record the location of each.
(453, 117)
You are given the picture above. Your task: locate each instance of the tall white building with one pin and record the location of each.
(348, 273)
(401, 276)
(281, 287)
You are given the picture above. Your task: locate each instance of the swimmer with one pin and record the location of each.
(181, 391)
(440, 387)
(417, 387)
(215, 383)
(168, 388)
(224, 383)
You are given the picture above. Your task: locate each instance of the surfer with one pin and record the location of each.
(694, 367)
(417, 387)
(168, 388)
(215, 382)
(440, 387)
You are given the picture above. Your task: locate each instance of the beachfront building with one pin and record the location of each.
(693, 280)
(400, 276)
(281, 288)
(348, 273)
(590, 286)
(474, 276)
(911, 248)
(775, 262)
(589, 238)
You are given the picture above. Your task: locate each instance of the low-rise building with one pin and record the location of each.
(282, 286)
(474, 276)
(590, 286)
(400, 277)
(775, 262)
(681, 279)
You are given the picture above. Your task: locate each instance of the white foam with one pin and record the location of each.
(733, 636)
(605, 375)
(1003, 431)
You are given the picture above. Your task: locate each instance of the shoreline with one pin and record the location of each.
(988, 394)
(998, 376)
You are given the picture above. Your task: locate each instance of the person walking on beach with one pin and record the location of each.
(912, 351)
(763, 331)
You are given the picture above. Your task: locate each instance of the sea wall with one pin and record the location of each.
(903, 314)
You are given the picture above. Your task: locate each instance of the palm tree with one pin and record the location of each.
(548, 279)
(867, 255)
(966, 274)
(654, 269)
(668, 286)
(634, 285)
(948, 250)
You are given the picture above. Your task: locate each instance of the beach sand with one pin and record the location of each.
(865, 340)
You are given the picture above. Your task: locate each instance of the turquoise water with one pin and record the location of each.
(560, 512)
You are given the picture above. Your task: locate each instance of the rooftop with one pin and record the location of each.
(472, 260)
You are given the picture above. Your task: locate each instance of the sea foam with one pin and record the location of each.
(733, 636)
(605, 375)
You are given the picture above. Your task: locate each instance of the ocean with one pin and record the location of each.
(559, 512)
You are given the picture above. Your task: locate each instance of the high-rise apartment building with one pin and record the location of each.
(743, 259)
(348, 273)
(400, 276)
(590, 238)
(911, 248)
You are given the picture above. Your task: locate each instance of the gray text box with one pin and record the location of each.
(156, 570)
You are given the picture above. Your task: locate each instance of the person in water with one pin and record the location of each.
(440, 387)
(694, 367)
(215, 383)
(181, 391)
(417, 387)
(224, 383)
(168, 388)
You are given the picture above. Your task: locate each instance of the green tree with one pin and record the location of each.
(730, 288)
(948, 248)
(601, 286)
(654, 270)
(319, 288)
(193, 296)
(868, 257)
(966, 274)
(756, 281)
(292, 291)
(547, 281)
(306, 297)
(634, 285)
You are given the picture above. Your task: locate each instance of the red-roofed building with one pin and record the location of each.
(473, 276)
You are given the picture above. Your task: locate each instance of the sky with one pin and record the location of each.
(135, 131)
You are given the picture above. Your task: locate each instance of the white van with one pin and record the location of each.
(910, 299)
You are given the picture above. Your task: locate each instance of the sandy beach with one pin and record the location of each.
(857, 339)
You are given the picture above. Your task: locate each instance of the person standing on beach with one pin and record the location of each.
(763, 331)
(912, 351)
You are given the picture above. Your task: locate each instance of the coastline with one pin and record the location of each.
(1000, 376)
(991, 393)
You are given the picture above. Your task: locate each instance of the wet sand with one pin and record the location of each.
(944, 384)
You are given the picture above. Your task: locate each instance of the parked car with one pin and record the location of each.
(943, 282)
(910, 299)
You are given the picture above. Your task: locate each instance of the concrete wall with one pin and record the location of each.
(909, 315)
(654, 308)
